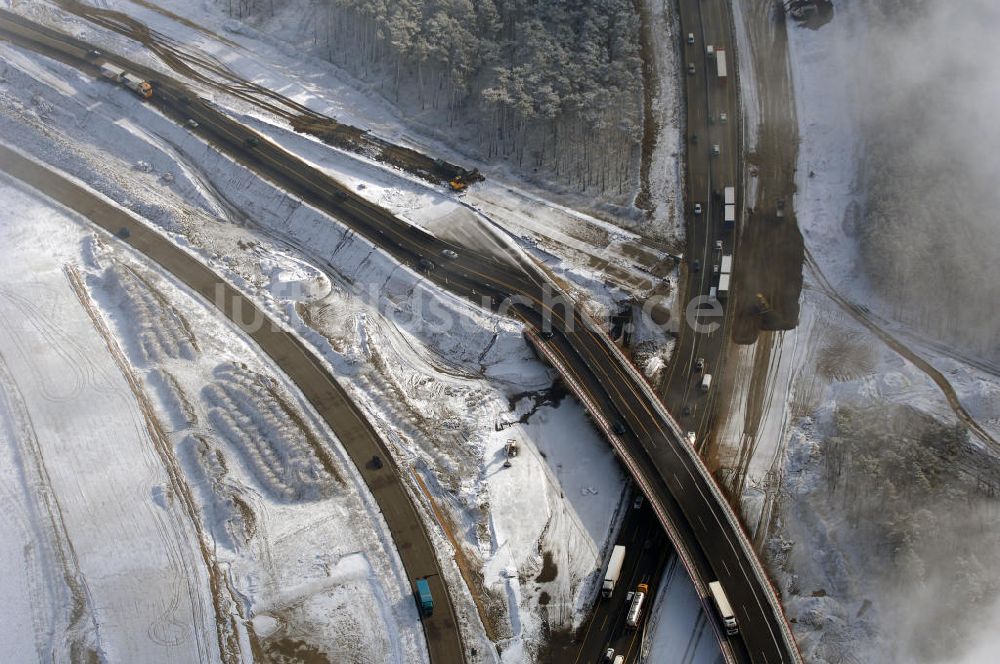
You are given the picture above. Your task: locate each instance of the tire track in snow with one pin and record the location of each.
(82, 636)
(863, 317)
(227, 611)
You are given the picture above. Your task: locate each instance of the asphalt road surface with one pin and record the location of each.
(702, 526)
(646, 553)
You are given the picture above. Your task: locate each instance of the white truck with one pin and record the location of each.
(729, 195)
(706, 382)
(723, 608)
(720, 63)
(635, 610)
(727, 264)
(614, 570)
(723, 289)
(134, 83)
(730, 217)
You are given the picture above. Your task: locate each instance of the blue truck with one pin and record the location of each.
(424, 599)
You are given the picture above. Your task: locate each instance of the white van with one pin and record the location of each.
(706, 382)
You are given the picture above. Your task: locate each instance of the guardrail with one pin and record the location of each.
(637, 476)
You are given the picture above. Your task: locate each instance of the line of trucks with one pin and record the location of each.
(726, 263)
(136, 84)
(637, 598)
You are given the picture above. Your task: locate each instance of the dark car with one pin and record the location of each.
(252, 141)
(425, 264)
(696, 265)
(619, 428)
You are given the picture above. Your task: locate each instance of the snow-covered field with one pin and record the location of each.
(136, 508)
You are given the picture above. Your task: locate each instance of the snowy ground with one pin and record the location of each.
(161, 476)
(436, 396)
(836, 583)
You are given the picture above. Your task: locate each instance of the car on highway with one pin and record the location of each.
(699, 364)
(547, 334)
(637, 503)
(696, 265)
(715, 268)
(425, 264)
(448, 253)
(697, 208)
(691, 68)
(192, 123)
(618, 428)
(609, 655)
(690, 37)
(723, 118)
(715, 150)
(718, 245)
(252, 141)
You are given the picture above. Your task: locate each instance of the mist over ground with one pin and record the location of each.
(928, 88)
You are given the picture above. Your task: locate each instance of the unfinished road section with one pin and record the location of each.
(330, 400)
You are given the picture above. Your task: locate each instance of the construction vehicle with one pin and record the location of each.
(510, 451)
(762, 304)
(635, 610)
(134, 83)
(462, 181)
(424, 599)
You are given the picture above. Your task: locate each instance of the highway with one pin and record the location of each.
(707, 97)
(692, 509)
(646, 554)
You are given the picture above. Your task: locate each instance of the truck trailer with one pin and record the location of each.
(635, 610)
(134, 83)
(723, 289)
(720, 63)
(614, 570)
(727, 264)
(424, 599)
(723, 608)
(730, 215)
(730, 195)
